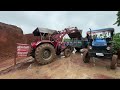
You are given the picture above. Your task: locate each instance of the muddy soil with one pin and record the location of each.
(65, 68)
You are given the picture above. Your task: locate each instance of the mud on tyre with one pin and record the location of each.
(67, 52)
(44, 54)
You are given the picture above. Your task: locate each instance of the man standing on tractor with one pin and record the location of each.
(89, 37)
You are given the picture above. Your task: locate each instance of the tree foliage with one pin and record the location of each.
(116, 42)
(118, 19)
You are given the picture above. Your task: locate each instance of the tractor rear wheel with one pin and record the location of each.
(114, 62)
(67, 52)
(86, 57)
(45, 54)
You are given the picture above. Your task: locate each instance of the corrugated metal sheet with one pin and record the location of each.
(39, 30)
(102, 30)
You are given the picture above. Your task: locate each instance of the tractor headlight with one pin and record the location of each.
(105, 44)
(108, 48)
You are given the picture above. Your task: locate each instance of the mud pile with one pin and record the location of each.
(30, 38)
(9, 36)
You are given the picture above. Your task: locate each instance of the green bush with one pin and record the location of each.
(116, 43)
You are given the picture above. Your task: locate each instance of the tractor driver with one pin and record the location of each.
(89, 39)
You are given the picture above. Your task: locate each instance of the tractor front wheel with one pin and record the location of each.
(44, 54)
(67, 52)
(114, 62)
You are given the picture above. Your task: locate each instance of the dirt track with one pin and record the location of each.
(66, 68)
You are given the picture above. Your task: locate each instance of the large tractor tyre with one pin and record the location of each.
(114, 62)
(77, 49)
(45, 54)
(86, 57)
(67, 52)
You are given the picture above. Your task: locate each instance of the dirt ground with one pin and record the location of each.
(66, 68)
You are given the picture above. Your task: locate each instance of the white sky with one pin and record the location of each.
(58, 20)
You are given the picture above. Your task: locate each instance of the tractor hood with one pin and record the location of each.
(99, 42)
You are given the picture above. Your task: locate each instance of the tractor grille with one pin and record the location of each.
(94, 50)
(99, 48)
(99, 44)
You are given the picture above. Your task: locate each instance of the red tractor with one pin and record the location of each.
(50, 44)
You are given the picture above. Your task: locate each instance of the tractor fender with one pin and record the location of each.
(42, 42)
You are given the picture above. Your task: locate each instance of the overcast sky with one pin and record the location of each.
(58, 20)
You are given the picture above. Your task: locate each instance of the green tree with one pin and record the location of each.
(118, 19)
(116, 42)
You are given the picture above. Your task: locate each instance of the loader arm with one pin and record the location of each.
(58, 37)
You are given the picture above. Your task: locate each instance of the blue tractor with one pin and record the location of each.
(100, 46)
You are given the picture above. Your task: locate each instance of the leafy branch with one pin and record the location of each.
(118, 19)
(116, 43)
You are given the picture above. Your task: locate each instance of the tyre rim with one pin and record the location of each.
(46, 54)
